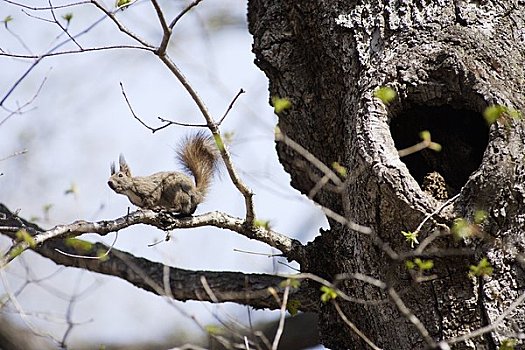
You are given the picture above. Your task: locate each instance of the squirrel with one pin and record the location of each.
(174, 191)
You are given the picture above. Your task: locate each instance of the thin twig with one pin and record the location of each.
(489, 328)
(344, 221)
(255, 253)
(170, 122)
(27, 103)
(15, 154)
(415, 148)
(183, 12)
(241, 91)
(23, 315)
(121, 27)
(18, 38)
(280, 328)
(48, 53)
(430, 238)
(318, 186)
(409, 315)
(52, 9)
(45, 8)
(165, 29)
(339, 292)
(448, 202)
(92, 257)
(353, 327)
(279, 136)
(226, 157)
(70, 52)
(153, 130)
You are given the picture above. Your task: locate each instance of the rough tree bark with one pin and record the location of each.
(448, 61)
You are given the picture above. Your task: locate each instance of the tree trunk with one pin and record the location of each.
(447, 61)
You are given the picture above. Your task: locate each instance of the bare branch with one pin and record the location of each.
(248, 289)
(121, 27)
(280, 328)
(183, 12)
(291, 248)
(153, 130)
(19, 109)
(409, 315)
(441, 207)
(214, 128)
(241, 91)
(354, 328)
(20, 310)
(171, 122)
(165, 29)
(279, 136)
(344, 221)
(55, 20)
(62, 53)
(489, 328)
(45, 8)
(166, 121)
(50, 52)
(15, 154)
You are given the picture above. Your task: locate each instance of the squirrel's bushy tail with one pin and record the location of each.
(199, 155)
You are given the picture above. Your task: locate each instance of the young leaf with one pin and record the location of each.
(214, 330)
(385, 94)
(493, 113)
(328, 294)
(410, 237)
(480, 216)
(341, 170)
(483, 268)
(280, 104)
(228, 137)
(461, 228)
(23, 235)
(508, 344)
(292, 282)
(425, 135)
(218, 142)
(262, 224)
(435, 146)
(122, 3)
(293, 306)
(68, 17)
(79, 245)
(424, 264)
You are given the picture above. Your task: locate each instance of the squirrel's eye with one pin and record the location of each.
(120, 175)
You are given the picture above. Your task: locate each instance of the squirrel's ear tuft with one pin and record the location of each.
(122, 160)
(112, 167)
(124, 168)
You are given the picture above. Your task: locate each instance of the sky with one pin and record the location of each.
(78, 123)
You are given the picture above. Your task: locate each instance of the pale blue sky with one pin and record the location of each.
(81, 124)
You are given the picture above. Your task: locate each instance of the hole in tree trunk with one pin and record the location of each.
(463, 135)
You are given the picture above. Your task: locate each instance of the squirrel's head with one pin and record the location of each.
(121, 180)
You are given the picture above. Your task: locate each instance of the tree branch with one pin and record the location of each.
(247, 289)
(163, 220)
(214, 128)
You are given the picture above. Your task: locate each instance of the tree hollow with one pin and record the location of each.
(462, 133)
